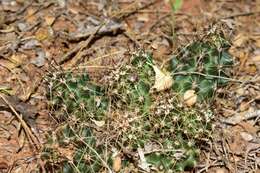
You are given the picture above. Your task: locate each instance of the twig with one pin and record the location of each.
(26, 128)
(206, 167)
(241, 14)
(110, 27)
(125, 12)
(79, 47)
(96, 67)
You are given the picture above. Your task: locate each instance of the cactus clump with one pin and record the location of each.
(151, 131)
(202, 66)
(77, 96)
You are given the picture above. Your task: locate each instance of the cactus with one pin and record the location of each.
(202, 66)
(151, 119)
(84, 159)
(77, 96)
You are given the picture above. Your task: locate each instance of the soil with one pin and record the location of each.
(38, 36)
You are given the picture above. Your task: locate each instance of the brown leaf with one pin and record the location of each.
(18, 59)
(14, 61)
(221, 170)
(27, 110)
(244, 106)
(160, 51)
(31, 85)
(66, 152)
(239, 40)
(257, 43)
(248, 127)
(163, 80)
(143, 17)
(7, 64)
(3, 165)
(98, 123)
(256, 58)
(49, 20)
(42, 34)
(250, 69)
(236, 142)
(31, 17)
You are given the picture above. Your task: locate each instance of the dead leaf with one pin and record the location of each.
(160, 51)
(39, 60)
(246, 136)
(14, 61)
(243, 57)
(35, 78)
(30, 44)
(143, 163)
(163, 80)
(236, 142)
(22, 26)
(31, 17)
(98, 123)
(190, 98)
(49, 20)
(239, 40)
(62, 3)
(251, 69)
(28, 111)
(244, 106)
(18, 59)
(7, 64)
(240, 91)
(221, 170)
(248, 127)
(257, 43)
(30, 89)
(42, 34)
(143, 17)
(256, 58)
(66, 152)
(155, 45)
(3, 165)
(117, 163)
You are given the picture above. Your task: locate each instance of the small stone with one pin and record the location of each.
(117, 163)
(190, 97)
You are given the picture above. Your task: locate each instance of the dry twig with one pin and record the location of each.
(79, 48)
(26, 128)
